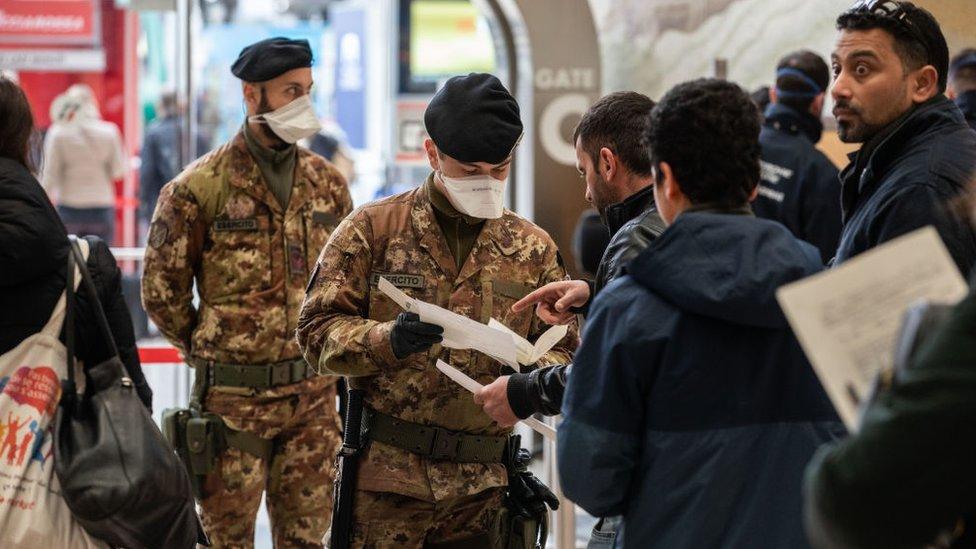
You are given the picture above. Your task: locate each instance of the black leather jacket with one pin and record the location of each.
(634, 224)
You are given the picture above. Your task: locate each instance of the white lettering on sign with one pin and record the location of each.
(565, 79)
(52, 23)
(556, 145)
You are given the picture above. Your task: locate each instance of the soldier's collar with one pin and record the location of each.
(266, 154)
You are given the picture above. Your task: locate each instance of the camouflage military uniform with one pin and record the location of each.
(219, 225)
(344, 329)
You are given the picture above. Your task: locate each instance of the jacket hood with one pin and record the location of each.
(33, 241)
(726, 267)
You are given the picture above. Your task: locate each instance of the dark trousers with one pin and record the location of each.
(99, 222)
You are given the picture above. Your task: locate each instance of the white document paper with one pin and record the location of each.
(460, 332)
(527, 353)
(464, 380)
(847, 318)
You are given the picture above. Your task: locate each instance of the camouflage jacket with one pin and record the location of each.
(345, 325)
(218, 224)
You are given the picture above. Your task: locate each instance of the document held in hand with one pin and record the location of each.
(464, 380)
(460, 332)
(847, 318)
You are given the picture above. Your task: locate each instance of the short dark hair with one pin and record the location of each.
(963, 77)
(918, 37)
(707, 130)
(617, 121)
(17, 129)
(799, 93)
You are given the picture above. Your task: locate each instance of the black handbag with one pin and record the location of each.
(121, 480)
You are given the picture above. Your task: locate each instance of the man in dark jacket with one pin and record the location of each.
(890, 66)
(690, 389)
(907, 478)
(799, 186)
(614, 163)
(961, 87)
(161, 155)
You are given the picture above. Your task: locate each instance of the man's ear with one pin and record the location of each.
(608, 164)
(816, 106)
(432, 158)
(924, 84)
(252, 96)
(669, 183)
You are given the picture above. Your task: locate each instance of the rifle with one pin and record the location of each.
(345, 487)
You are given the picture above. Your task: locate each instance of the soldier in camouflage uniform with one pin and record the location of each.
(246, 222)
(427, 244)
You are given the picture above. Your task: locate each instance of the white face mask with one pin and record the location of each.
(294, 121)
(480, 196)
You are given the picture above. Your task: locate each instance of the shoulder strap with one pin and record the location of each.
(77, 259)
(55, 322)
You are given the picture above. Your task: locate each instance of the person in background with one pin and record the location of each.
(961, 87)
(83, 157)
(161, 155)
(799, 186)
(691, 409)
(890, 66)
(760, 96)
(330, 144)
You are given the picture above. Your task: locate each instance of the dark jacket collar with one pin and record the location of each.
(966, 102)
(617, 215)
(915, 126)
(790, 120)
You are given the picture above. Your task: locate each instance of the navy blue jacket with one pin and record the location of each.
(691, 408)
(907, 178)
(966, 102)
(799, 186)
(160, 158)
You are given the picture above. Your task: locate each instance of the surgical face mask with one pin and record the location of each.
(480, 196)
(294, 121)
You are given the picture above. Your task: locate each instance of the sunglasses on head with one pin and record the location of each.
(890, 9)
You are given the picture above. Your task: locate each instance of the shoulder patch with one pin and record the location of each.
(158, 233)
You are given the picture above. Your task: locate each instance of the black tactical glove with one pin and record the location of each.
(409, 335)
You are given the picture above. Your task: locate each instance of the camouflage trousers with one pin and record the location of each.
(303, 422)
(385, 520)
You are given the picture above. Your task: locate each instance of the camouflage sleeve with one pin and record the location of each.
(172, 258)
(562, 353)
(333, 331)
(343, 199)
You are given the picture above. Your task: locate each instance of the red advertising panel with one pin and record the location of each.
(48, 22)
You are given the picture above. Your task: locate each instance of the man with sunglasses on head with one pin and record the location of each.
(890, 68)
(246, 223)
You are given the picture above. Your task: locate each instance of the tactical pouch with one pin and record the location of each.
(204, 444)
(175, 428)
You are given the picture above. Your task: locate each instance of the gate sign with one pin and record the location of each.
(48, 23)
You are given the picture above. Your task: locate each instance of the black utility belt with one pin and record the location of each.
(433, 442)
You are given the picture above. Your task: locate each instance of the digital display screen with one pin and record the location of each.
(446, 38)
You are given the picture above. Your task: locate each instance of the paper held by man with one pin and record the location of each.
(847, 319)
(460, 332)
(465, 381)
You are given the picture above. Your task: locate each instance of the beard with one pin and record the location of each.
(277, 143)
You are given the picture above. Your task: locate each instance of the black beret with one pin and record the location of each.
(272, 57)
(473, 118)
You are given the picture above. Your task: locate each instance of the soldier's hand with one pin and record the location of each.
(553, 301)
(409, 335)
(494, 399)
